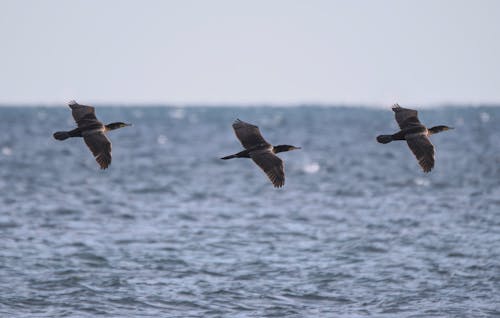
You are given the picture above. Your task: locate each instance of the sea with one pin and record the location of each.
(171, 230)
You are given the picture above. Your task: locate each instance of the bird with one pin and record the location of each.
(260, 151)
(415, 134)
(93, 132)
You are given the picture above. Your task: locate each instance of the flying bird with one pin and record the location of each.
(92, 131)
(415, 134)
(260, 151)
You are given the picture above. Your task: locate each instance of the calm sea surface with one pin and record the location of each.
(170, 230)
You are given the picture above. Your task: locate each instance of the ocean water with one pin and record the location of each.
(170, 230)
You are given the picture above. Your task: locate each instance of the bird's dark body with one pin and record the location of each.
(415, 134)
(81, 131)
(260, 151)
(247, 153)
(77, 132)
(92, 131)
(401, 135)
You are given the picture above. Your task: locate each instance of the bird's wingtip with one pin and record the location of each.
(237, 122)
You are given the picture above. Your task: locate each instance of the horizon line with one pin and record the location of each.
(249, 105)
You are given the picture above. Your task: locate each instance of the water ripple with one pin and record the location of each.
(172, 231)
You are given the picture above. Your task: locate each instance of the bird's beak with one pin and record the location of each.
(128, 124)
(451, 127)
(297, 147)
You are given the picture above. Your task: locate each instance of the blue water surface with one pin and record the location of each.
(170, 230)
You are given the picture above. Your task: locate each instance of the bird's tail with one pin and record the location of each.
(61, 135)
(229, 157)
(384, 139)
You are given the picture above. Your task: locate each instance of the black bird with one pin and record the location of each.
(92, 131)
(260, 151)
(415, 134)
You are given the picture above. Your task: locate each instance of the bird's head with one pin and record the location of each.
(444, 128)
(116, 125)
(282, 148)
(438, 129)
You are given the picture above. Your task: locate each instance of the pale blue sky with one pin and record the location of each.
(426, 52)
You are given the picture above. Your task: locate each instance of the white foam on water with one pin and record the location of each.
(6, 151)
(177, 113)
(485, 117)
(162, 139)
(311, 168)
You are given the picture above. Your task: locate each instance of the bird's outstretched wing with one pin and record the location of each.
(272, 166)
(248, 134)
(406, 117)
(100, 146)
(423, 149)
(84, 115)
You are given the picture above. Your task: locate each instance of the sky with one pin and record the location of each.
(227, 52)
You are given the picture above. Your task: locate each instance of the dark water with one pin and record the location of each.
(172, 231)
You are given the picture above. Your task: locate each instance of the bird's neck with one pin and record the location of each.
(436, 129)
(281, 148)
(113, 126)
